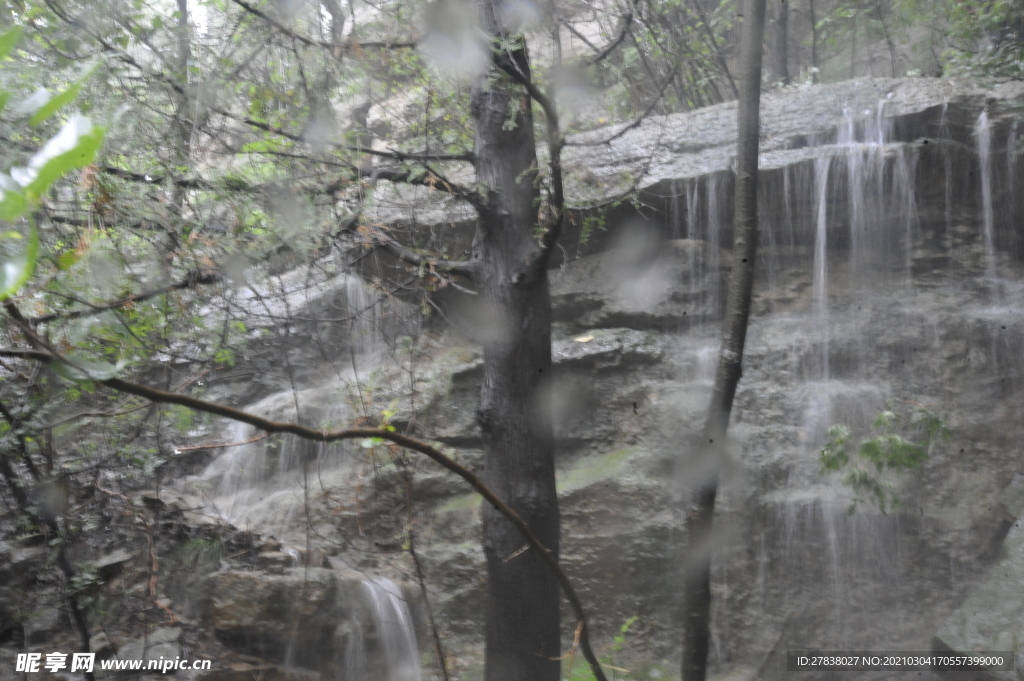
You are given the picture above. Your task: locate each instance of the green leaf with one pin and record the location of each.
(55, 103)
(224, 356)
(884, 419)
(4, 96)
(12, 200)
(66, 259)
(79, 369)
(14, 273)
(8, 40)
(73, 147)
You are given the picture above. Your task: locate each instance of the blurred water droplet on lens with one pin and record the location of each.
(234, 270)
(573, 87)
(641, 278)
(518, 16)
(451, 41)
(321, 128)
(290, 9)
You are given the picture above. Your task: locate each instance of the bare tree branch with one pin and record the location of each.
(43, 353)
(381, 240)
(415, 156)
(636, 123)
(535, 92)
(603, 54)
(182, 183)
(347, 46)
(193, 279)
(717, 49)
(39, 355)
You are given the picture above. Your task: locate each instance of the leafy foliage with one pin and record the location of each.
(22, 187)
(899, 441)
(987, 38)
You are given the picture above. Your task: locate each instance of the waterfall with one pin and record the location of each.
(820, 276)
(947, 163)
(817, 414)
(825, 545)
(675, 208)
(258, 483)
(905, 167)
(391, 653)
(363, 311)
(713, 238)
(855, 181)
(1011, 156)
(787, 210)
(983, 133)
(855, 258)
(834, 563)
(692, 206)
(1011, 173)
(878, 193)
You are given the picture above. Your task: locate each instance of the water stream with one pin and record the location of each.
(983, 132)
(841, 251)
(389, 652)
(267, 484)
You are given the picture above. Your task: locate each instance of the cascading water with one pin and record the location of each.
(947, 166)
(1011, 169)
(676, 217)
(692, 205)
(851, 219)
(259, 484)
(983, 133)
(820, 275)
(818, 413)
(268, 484)
(393, 654)
(820, 539)
(713, 230)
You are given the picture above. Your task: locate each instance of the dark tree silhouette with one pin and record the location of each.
(697, 589)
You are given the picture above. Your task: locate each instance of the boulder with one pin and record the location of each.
(164, 642)
(992, 617)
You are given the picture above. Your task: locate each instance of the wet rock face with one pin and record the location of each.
(649, 284)
(276, 617)
(332, 623)
(881, 280)
(905, 311)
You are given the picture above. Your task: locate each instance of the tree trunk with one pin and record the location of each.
(853, 48)
(815, 73)
(522, 616)
(780, 48)
(182, 145)
(697, 586)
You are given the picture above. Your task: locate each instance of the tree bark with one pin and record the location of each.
(780, 47)
(816, 73)
(182, 145)
(697, 586)
(853, 48)
(522, 616)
